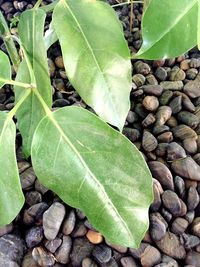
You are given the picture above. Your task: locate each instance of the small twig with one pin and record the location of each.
(131, 17)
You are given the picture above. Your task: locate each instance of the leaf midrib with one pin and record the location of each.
(169, 29)
(66, 139)
(94, 57)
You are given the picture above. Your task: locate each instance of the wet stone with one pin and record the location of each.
(171, 246)
(192, 198)
(158, 226)
(179, 226)
(149, 142)
(155, 90)
(175, 151)
(168, 85)
(34, 214)
(82, 248)
(161, 73)
(186, 168)
(189, 119)
(52, 219)
(165, 97)
(192, 88)
(150, 103)
(172, 202)
(34, 236)
(62, 254)
(183, 131)
(162, 174)
(176, 104)
(12, 248)
(53, 245)
(102, 253)
(42, 257)
(69, 223)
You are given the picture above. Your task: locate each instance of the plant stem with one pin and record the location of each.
(38, 3)
(9, 43)
(45, 107)
(11, 82)
(22, 99)
(127, 3)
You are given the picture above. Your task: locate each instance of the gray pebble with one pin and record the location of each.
(53, 245)
(34, 236)
(102, 253)
(168, 85)
(62, 254)
(69, 223)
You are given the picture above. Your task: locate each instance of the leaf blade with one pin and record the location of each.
(31, 27)
(97, 167)
(5, 71)
(162, 39)
(99, 68)
(11, 196)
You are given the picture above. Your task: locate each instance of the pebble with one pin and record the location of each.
(195, 227)
(190, 241)
(157, 190)
(163, 114)
(149, 120)
(52, 220)
(158, 226)
(102, 253)
(33, 197)
(59, 84)
(149, 142)
(192, 88)
(189, 119)
(59, 62)
(165, 97)
(194, 63)
(179, 226)
(117, 248)
(131, 134)
(62, 254)
(142, 68)
(52, 67)
(81, 249)
(166, 137)
(40, 188)
(182, 132)
(94, 237)
(155, 90)
(171, 246)
(190, 145)
(34, 214)
(34, 236)
(80, 230)
(176, 104)
(180, 186)
(138, 79)
(161, 149)
(191, 73)
(161, 73)
(28, 261)
(150, 79)
(172, 202)
(184, 65)
(162, 174)
(160, 129)
(150, 103)
(27, 178)
(169, 85)
(69, 223)
(23, 165)
(6, 229)
(150, 257)
(192, 198)
(175, 151)
(128, 262)
(42, 257)
(186, 168)
(177, 75)
(87, 262)
(53, 245)
(132, 117)
(193, 258)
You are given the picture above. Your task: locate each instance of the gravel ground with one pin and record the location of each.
(164, 123)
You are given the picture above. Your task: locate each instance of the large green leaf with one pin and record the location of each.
(5, 69)
(11, 196)
(31, 30)
(96, 56)
(96, 169)
(169, 28)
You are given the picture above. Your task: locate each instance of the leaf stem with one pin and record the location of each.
(22, 99)
(127, 3)
(11, 82)
(37, 4)
(45, 107)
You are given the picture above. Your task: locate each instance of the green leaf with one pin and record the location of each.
(170, 32)
(96, 56)
(198, 26)
(50, 37)
(11, 196)
(96, 169)
(31, 29)
(146, 4)
(5, 69)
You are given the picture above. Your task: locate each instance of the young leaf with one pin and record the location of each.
(11, 196)
(170, 32)
(96, 56)
(5, 69)
(96, 169)
(31, 29)
(50, 37)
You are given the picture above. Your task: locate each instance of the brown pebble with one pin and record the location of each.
(192, 88)
(150, 257)
(193, 258)
(184, 65)
(157, 189)
(183, 131)
(163, 114)
(171, 202)
(42, 257)
(150, 103)
(175, 151)
(149, 142)
(149, 120)
(192, 198)
(179, 226)
(94, 237)
(166, 137)
(195, 227)
(190, 145)
(59, 62)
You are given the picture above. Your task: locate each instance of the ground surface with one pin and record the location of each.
(164, 124)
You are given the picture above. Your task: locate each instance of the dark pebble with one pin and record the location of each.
(53, 245)
(179, 226)
(165, 97)
(149, 142)
(172, 202)
(34, 236)
(155, 90)
(183, 131)
(34, 214)
(176, 104)
(189, 119)
(42, 257)
(193, 258)
(175, 151)
(102, 253)
(192, 88)
(158, 226)
(62, 254)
